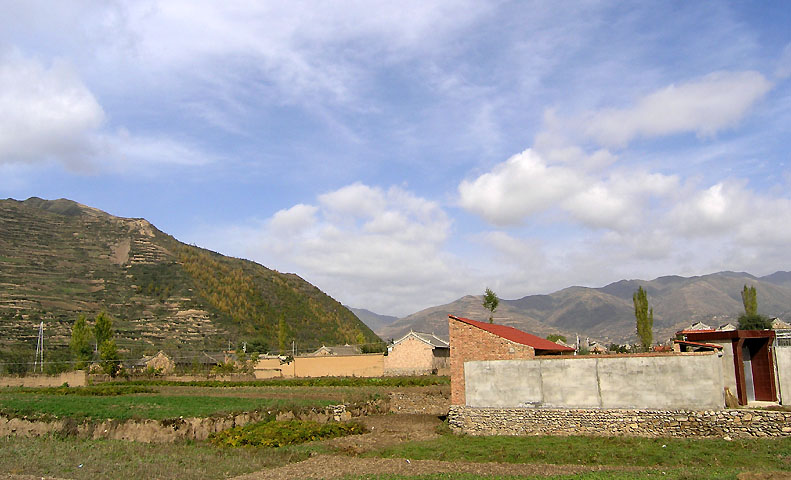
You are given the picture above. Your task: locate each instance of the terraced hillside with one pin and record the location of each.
(59, 259)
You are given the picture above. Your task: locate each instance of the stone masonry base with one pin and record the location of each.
(637, 423)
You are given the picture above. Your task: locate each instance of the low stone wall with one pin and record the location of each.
(637, 423)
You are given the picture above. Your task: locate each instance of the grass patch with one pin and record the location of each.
(418, 381)
(58, 457)
(108, 390)
(157, 407)
(667, 474)
(756, 454)
(282, 433)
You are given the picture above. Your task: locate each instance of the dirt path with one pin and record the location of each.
(332, 466)
(389, 430)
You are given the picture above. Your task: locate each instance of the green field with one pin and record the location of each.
(707, 458)
(637, 458)
(164, 402)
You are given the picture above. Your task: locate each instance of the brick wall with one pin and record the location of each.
(636, 423)
(471, 343)
(410, 357)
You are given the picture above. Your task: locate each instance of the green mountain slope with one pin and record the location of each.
(59, 259)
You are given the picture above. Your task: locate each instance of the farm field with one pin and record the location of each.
(397, 446)
(162, 400)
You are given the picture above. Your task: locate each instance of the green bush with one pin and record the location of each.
(282, 433)
(754, 322)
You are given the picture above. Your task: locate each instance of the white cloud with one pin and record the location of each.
(704, 106)
(729, 210)
(47, 113)
(296, 219)
(365, 245)
(517, 188)
(526, 185)
(308, 51)
(124, 152)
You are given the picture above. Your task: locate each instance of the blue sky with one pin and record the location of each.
(399, 155)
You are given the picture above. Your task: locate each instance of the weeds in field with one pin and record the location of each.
(104, 390)
(417, 381)
(708, 453)
(282, 433)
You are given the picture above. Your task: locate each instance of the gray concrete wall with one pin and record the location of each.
(692, 381)
(783, 367)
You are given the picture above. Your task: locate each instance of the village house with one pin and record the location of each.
(418, 354)
(338, 350)
(474, 340)
(160, 362)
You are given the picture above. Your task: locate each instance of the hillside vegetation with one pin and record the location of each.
(59, 259)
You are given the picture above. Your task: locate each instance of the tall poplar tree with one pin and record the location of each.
(645, 318)
(752, 320)
(80, 343)
(490, 302)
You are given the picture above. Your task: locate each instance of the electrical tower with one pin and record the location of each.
(39, 349)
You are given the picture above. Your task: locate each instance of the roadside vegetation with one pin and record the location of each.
(89, 459)
(416, 381)
(282, 433)
(632, 458)
(712, 458)
(146, 406)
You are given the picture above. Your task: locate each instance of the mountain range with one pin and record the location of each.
(607, 313)
(60, 259)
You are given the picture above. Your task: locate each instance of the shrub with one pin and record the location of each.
(282, 433)
(754, 322)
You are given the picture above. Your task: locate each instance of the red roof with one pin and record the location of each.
(517, 336)
(699, 344)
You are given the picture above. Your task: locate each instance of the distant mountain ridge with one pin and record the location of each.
(373, 320)
(60, 259)
(607, 313)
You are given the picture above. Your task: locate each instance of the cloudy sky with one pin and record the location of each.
(399, 155)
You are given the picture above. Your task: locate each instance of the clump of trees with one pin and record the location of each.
(490, 302)
(751, 319)
(554, 337)
(103, 336)
(644, 316)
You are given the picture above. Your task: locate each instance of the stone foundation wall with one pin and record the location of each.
(637, 423)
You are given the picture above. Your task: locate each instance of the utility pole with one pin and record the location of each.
(39, 349)
(293, 348)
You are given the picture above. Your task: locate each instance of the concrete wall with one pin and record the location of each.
(469, 342)
(78, 378)
(674, 381)
(783, 368)
(728, 367)
(371, 365)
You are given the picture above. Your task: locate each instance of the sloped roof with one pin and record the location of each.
(341, 350)
(428, 338)
(516, 336)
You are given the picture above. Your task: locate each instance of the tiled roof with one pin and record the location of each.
(342, 350)
(428, 338)
(517, 336)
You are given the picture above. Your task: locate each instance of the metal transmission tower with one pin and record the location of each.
(39, 349)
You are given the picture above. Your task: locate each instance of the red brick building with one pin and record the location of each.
(474, 340)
